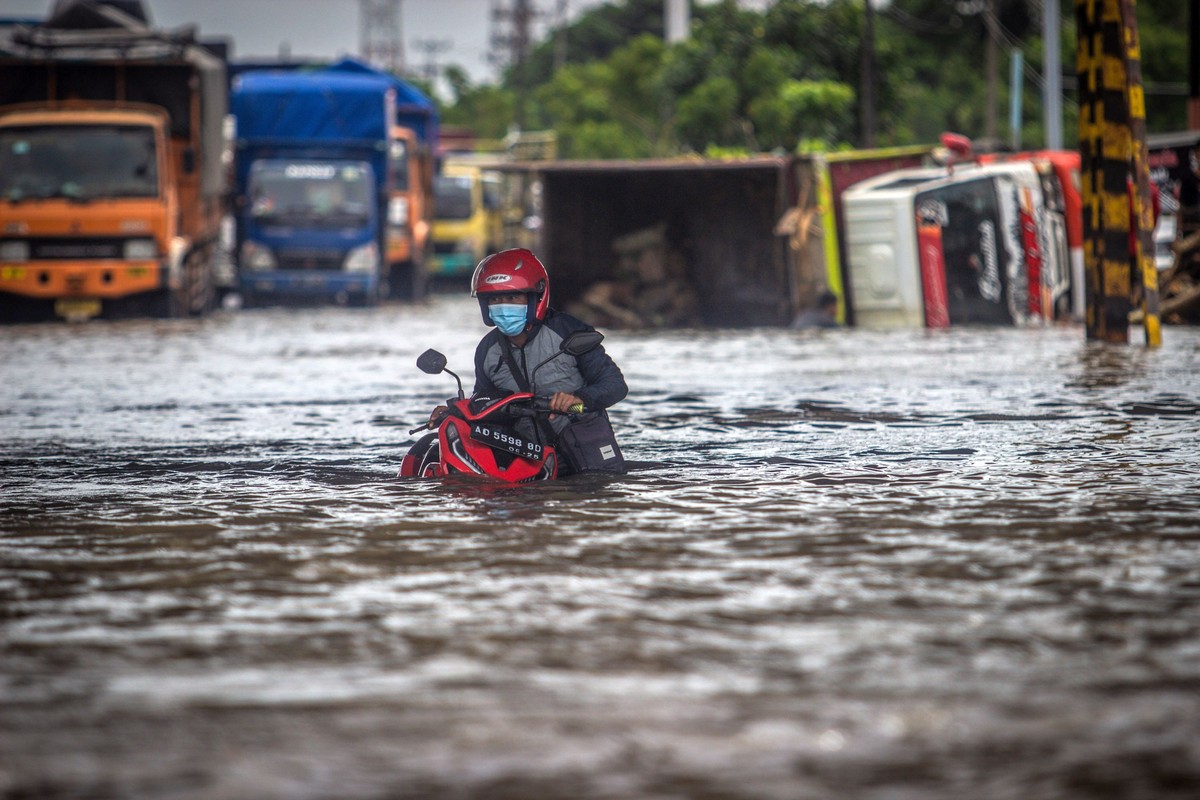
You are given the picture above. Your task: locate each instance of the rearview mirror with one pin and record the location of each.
(581, 342)
(431, 362)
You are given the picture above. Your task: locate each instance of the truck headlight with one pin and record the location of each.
(140, 250)
(14, 250)
(362, 259)
(398, 211)
(256, 258)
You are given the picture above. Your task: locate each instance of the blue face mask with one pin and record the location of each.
(509, 317)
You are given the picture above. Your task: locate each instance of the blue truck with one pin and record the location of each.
(410, 213)
(312, 185)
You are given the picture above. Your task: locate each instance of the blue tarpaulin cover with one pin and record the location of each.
(413, 109)
(313, 106)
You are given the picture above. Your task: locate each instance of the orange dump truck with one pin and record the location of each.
(111, 181)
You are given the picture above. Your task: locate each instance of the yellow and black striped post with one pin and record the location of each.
(1145, 270)
(1119, 266)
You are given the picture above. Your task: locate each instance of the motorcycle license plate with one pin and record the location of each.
(502, 439)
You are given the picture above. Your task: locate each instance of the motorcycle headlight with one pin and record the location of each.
(256, 258)
(14, 250)
(362, 259)
(140, 250)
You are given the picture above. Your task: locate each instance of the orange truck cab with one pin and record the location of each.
(410, 213)
(111, 183)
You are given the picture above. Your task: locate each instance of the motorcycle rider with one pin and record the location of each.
(513, 289)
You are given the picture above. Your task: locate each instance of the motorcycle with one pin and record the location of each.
(477, 436)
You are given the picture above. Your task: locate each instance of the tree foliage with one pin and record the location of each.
(790, 75)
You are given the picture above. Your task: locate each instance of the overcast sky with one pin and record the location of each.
(328, 28)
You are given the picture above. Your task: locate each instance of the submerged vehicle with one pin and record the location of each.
(477, 436)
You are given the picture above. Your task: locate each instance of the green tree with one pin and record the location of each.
(487, 110)
(610, 108)
(760, 80)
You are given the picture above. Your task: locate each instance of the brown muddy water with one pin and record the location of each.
(905, 566)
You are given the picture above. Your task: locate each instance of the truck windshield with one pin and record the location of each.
(315, 194)
(452, 197)
(79, 162)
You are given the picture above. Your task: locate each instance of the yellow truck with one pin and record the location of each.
(111, 181)
(467, 223)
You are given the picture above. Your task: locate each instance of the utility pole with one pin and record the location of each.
(866, 93)
(1194, 65)
(677, 20)
(1052, 93)
(560, 35)
(991, 67)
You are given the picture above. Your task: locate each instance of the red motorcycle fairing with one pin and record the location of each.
(470, 442)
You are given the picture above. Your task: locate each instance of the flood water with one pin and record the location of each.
(851, 564)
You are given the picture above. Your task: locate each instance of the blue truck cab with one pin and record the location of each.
(312, 184)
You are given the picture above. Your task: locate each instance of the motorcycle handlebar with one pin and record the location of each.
(539, 404)
(543, 404)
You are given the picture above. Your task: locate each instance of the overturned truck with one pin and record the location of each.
(712, 221)
(683, 242)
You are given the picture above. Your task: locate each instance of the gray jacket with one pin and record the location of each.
(593, 377)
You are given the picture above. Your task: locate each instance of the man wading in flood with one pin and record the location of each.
(513, 289)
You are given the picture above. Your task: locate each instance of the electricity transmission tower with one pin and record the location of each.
(513, 36)
(381, 42)
(430, 48)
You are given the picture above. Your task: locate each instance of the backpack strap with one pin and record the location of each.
(518, 374)
(545, 432)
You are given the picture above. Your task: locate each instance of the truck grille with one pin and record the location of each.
(330, 260)
(80, 249)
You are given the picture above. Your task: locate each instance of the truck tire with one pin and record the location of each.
(199, 283)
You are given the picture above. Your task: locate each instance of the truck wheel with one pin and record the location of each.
(198, 278)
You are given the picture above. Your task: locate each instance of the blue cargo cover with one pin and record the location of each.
(413, 109)
(272, 107)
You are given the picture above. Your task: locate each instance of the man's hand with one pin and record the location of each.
(562, 402)
(436, 415)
